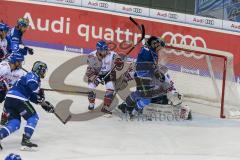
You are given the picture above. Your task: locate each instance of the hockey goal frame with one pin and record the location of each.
(209, 52)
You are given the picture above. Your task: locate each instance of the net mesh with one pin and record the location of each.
(198, 74)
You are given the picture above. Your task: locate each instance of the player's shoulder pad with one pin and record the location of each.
(30, 76)
(93, 53)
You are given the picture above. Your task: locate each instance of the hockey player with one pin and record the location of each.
(155, 84)
(17, 104)
(101, 69)
(4, 28)
(146, 66)
(15, 37)
(9, 74)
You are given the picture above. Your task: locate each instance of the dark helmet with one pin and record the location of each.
(23, 22)
(101, 45)
(153, 40)
(39, 68)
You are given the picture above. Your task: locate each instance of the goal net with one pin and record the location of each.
(205, 77)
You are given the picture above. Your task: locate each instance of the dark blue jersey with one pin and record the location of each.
(146, 63)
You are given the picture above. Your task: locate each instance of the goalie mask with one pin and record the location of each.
(155, 43)
(40, 68)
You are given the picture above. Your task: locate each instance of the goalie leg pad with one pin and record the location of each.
(185, 113)
(91, 97)
(175, 98)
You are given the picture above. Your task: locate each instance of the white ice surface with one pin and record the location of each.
(113, 138)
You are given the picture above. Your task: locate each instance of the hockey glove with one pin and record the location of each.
(98, 80)
(30, 50)
(48, 107)
(3, 86)
(40, 96)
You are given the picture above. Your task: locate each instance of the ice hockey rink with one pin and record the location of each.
(204, 137)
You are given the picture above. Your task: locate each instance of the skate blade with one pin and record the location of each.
(29, 149)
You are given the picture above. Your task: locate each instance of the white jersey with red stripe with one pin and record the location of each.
(99, 66)
(108, 62)
(7, 76)
(3, 47)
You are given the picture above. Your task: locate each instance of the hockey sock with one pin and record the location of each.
(11, 127)
(108, 97)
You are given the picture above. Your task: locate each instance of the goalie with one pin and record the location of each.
(153, 85)
(101, 70)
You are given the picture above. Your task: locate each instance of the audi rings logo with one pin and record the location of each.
(185, 40)
(209, 21)
(103, 5)
(137, 10)
(173, 16)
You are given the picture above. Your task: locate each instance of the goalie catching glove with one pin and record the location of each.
(47, 106)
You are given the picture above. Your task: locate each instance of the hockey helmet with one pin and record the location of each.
(153, 40)
(4, 27)
(23, 22)
(16, 57)
(13, 156)
(101, 45)
(40, 68)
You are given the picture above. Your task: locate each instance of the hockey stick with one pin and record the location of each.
(24, 69)
(67, 91)
(142, 29)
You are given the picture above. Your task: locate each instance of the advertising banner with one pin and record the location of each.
(204, 21)
(123, 8)
(68, 2)
(78, 30)
(99, 5)
(172, 16)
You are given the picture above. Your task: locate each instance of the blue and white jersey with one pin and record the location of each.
(146, 62)
(15, 40)
(26, 87)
